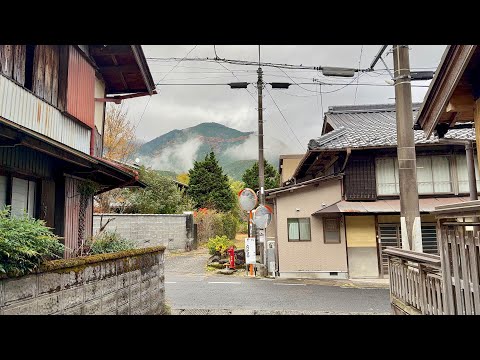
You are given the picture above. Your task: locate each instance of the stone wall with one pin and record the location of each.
(175, 232)
(124, 283)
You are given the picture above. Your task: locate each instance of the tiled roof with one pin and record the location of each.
(371, 126)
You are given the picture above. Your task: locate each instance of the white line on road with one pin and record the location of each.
(290, 284)
(170, 282)
(224, 282)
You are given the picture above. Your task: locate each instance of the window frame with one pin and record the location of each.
(37, 195)
(451, 169)
(298, 223)
(338, 219)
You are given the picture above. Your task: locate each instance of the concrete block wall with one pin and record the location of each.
(171, 231)
(123, 283)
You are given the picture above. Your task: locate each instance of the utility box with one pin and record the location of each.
(271, 257)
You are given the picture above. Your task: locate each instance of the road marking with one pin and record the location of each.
(170, 282)
(224, 282)
(290, 284)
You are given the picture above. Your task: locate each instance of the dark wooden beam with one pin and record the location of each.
(119, 68)
(443, 85)
(453, 119)
(110, 50)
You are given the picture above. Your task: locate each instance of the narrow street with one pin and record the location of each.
(190, 289)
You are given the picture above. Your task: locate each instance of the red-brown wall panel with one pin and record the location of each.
(81, 88)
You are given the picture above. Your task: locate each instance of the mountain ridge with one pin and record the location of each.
(177, 149)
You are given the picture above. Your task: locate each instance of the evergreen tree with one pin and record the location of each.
(208, 186)
(250, 177)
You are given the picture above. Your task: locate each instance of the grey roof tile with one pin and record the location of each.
(371, 126)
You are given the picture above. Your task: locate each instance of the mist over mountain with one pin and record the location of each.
(235, 150)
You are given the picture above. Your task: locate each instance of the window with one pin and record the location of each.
(331, 230)
(299, 229)
(23, 197)
(462, 174)
(433, 175)
(387, 176)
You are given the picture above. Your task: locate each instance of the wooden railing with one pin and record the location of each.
(415, 282)
(459, 247)
(447, 284)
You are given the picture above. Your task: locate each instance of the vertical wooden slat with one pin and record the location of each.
(423, 295)
(439, 296)
(445, 243)
(19, 64)
(465, 273)
(47, 91)
(63, 60)
(456, 274)
(39, 70)
(6, 59)
(474, 264)
(55, 63)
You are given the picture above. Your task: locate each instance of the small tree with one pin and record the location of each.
(118, 144)
(183, 178)
(250, 177)
(161, 196)
(208, 186)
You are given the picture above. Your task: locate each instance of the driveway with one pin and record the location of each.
(190, 289)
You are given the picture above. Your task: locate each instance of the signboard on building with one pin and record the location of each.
(250, 252)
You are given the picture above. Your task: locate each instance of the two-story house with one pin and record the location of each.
(341, 208)
(52, 112)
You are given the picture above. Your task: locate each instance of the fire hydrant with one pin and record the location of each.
(231, 252)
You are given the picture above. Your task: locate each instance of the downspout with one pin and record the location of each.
(472, 181)
(349, 152)
(277, 266)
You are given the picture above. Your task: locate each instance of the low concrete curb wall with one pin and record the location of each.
(123, 283)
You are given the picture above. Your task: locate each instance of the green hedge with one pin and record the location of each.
(25, 243)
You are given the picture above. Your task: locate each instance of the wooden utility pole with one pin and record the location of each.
(407, 164)
(261, 165)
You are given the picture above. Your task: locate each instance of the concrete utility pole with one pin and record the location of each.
(407, 163)
(261, 166)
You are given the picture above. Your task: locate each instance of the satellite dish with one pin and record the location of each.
(247, 199)
(262, 216)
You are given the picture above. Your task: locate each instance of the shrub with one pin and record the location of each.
(109, 242)
(230, 225)
(218, 244)
(243, 227)
(209, 224)
(25, 243)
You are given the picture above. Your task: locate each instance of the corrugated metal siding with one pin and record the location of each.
(72, 209)
(22, 107)
(25, 160)
(81, 88)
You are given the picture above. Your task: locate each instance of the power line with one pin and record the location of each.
(283, 116)
(178, 63)
(148, 101)
(232, 73)
(359, 63)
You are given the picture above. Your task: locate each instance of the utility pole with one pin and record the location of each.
(261, 167)
(407, 164)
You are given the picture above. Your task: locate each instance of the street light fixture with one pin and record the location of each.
(338, 71)
(238, 85)
(279, 85)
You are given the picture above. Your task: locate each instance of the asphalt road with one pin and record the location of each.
(191, 290)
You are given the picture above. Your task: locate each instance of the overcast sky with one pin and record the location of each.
(178, 107)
